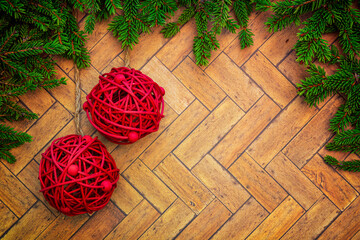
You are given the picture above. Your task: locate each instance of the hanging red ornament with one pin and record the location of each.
(77, 175)
(125, 105)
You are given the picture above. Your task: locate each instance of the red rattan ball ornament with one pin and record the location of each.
(125, 105)
(77, 175)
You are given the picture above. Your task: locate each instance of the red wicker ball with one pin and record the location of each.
(125, 105)
(77, 175)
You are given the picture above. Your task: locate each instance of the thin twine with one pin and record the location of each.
(78, 107)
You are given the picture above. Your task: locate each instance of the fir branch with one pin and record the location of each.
(353, 166)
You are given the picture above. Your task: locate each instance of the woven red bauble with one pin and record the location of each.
(77, 175)
(125, 105)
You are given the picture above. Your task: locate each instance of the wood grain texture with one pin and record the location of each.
(206, 224)
(313, 222)
(281, 90)
(149, 185)
(227, 75)
(176, 95)
(330, 182)
(279, 221)
(245, 131)
(7, 218)
(26, 227)
(220, 183)
(184, 184)
(280, 132)
(243, 222)
(174, 134)
(293, 181)
(176, 217)
(208, 133)
(107, 218)
(199, 83)
(258, 182)
(134, 225)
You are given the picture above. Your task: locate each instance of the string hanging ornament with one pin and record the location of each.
(77, 174)
(125, 105)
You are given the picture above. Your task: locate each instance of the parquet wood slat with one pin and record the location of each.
(184, 184)
(208, 133)
(199, 83)
(174, 134)
(207, 223)
(330, 182)
(149, 185)
(13, 193)
(281, 90)
(36, 220)
(176, 95)
(280, 132)
(243, 222)
(134, 225)
(245, 131)
(100, 224)
(176, 217)
(279, 221)
(7, 218)
(352, 177)
(258, 182)
(220, 183)
(227, 75)
(293, 181)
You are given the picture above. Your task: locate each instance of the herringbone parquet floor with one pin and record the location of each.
(238, 155)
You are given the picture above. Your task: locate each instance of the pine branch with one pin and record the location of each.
(353, 166)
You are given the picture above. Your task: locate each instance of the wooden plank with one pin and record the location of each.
(199, 83)
(133, 226)
(313, 136)
(330, 182)
(107, 218)
(174, 134)
(176, 95)
(221, 183)
(149, 186)
(279, 221)
(38, 101)
(280, 132)
(352, 177)
(336, 154)
(281, 90)
(65, 64)
(207, 223)
(280, 44)
(127, 154)
(243, 222)
(7, 218)
(184, 184)
(26, 227)
(258, 182)
(346, 225)
(125, 196)
(227, 75)
(245, 131)
(13, 193)
(176, 217)
(178, 47)
(314, 221)
(29, 176)
(116, 63)
(293, 181)
(56, 114)
(238, 55)
(63, 227)
(292, 70)
(105, 51)
(208, 133)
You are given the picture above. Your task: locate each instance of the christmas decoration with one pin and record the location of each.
(77, 175)
(323, 17)
(31, 31)
(125, 105)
